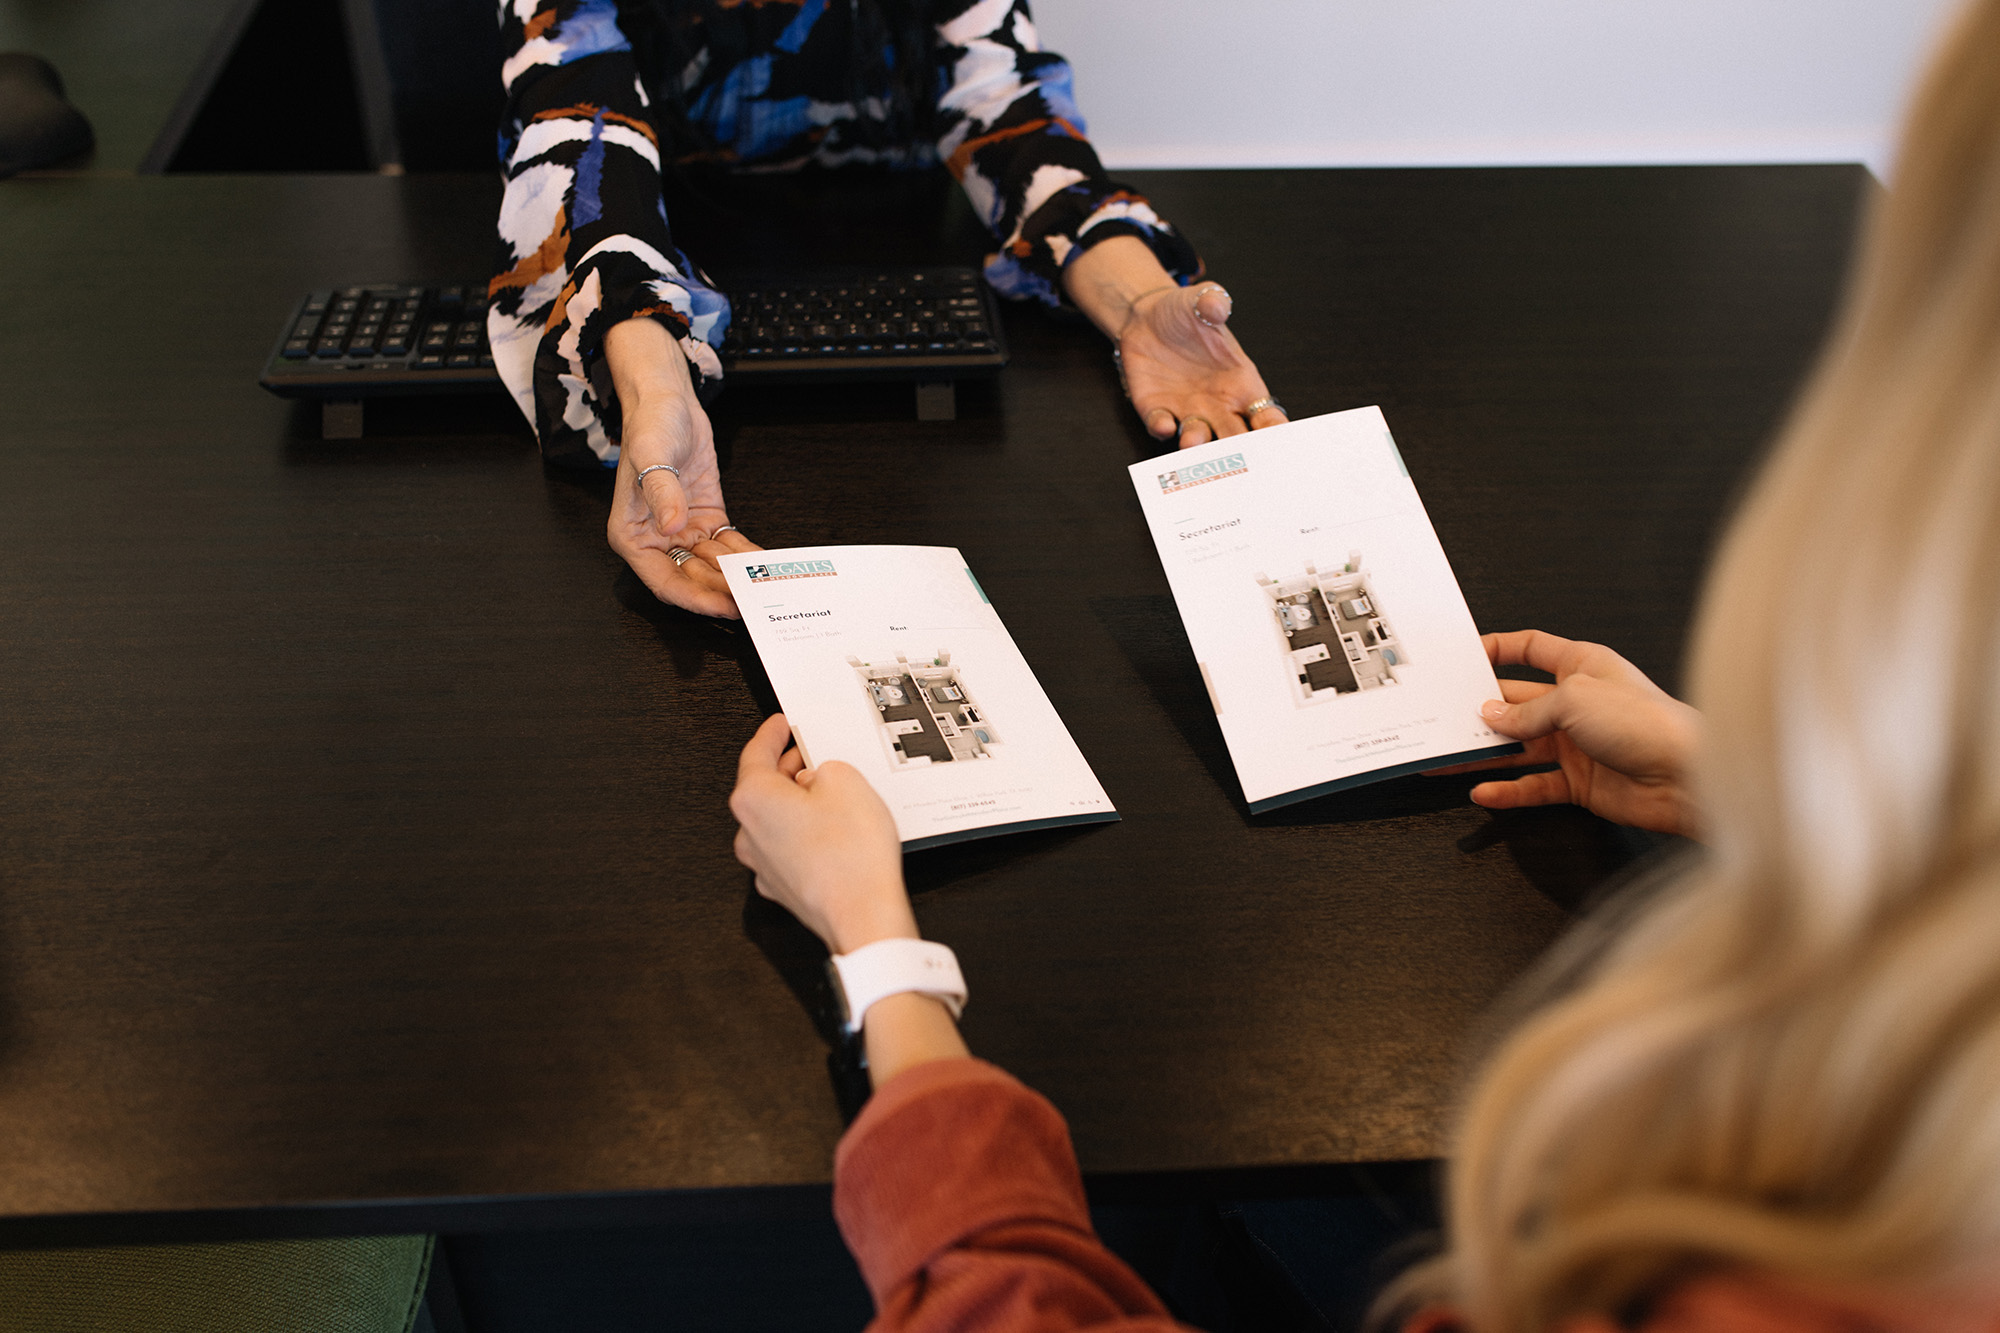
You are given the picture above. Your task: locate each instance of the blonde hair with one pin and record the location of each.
(1787, 1059)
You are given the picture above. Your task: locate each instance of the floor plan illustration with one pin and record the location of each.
(927, 717)
(1334, 635)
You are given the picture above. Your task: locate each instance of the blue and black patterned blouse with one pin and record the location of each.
(584, 236)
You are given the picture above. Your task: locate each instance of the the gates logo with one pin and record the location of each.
(1194, 474)
(789, 569)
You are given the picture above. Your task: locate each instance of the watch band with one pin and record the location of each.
(890, 967)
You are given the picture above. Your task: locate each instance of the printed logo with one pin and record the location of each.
(1195, 474)
(789, 569)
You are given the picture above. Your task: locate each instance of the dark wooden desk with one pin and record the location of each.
(364, 861)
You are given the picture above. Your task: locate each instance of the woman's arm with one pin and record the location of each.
(822, 843)
(956, 1188)
(586, 250)
(1010, 131)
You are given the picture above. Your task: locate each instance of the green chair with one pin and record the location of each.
(369, 1284)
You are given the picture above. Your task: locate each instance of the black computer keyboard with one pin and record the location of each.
(928, 325)
(902, 322)
(359, 342)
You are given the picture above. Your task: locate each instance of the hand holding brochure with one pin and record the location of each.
(1334, 641)
(891, 659)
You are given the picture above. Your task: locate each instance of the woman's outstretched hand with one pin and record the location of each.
(820, 842)
(653, 518)
(1622, 745)
(1183, 369)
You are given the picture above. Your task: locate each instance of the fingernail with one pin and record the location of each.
(1493, 710)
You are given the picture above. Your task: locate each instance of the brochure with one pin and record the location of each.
(891, 659)
(1334, 641)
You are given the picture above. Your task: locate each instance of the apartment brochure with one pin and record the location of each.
(891, 659)
(1334, 641)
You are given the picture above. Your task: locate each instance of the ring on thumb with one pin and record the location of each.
(666, 502)
(1212, 305)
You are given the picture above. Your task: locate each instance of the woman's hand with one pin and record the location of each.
(653, 518)
(1622, 744)
(821, 843)
(1183, 369)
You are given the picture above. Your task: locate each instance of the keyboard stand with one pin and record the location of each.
(340, 421)
(937, 400)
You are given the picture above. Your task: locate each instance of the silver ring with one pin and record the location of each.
(1212, 287)
(680, 555)
(1261, 404)
(1213, 433)
(726, 527)
(658, 467)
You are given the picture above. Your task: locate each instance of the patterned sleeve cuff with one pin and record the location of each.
(1073, 220)
(585, 245)
(551, 355)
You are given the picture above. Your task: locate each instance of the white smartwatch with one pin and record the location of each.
(890, 967)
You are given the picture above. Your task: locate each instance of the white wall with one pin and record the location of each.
(1211, 83)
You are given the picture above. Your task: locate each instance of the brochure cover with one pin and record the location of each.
(1334, 641)
(891, 659)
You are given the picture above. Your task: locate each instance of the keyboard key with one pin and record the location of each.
(461, 359)
(395, 347)
(306, 328)
(296, 348)
(468, 335)
(430, 361)
(327, 347)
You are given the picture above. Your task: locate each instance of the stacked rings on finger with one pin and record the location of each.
(660, 467)
(1262, 403)
(680, 555)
